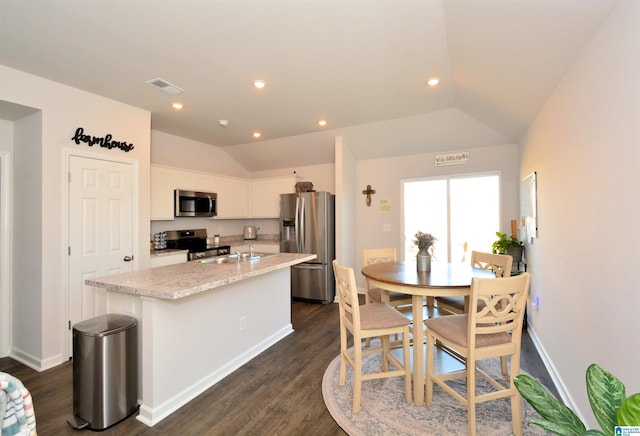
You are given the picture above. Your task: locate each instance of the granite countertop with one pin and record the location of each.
(181, 280)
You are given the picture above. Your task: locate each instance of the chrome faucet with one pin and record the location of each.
(251, 253)
(237, 253)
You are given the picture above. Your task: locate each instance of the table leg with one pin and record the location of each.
(385, 296)
(418, 350)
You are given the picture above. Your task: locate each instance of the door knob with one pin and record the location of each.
(127, 258)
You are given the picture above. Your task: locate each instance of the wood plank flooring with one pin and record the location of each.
(277, 393)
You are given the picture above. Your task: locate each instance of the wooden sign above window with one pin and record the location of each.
(452, 159)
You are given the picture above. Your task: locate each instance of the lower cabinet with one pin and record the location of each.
(168, 259)
(257, 247)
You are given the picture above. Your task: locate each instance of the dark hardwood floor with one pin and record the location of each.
(277, 393)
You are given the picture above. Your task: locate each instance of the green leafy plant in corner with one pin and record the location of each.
(607, 397)
(504, 244)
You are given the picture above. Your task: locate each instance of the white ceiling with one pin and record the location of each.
(351, 62)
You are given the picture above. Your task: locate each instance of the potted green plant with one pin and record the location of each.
(607, 397)
(510, 245)
(424, 242)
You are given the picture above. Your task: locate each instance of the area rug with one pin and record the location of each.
(383, 410)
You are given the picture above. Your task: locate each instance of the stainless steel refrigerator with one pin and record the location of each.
(307, 225)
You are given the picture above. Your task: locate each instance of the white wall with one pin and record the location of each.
(584, 146)
(346, 217)
(385, 176)
(175, 151)
(322, 176)
(28, 284)
(39, 232)
(6, 146)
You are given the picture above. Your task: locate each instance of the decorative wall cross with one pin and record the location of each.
(368, 193)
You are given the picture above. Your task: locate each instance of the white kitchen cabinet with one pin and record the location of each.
(194, 181)
(266, 248)
(265, 195)
(257, 248)
(162, 185)
(168, 259)
(244, 248)
(233, 197)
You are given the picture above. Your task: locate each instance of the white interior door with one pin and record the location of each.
(100, 230)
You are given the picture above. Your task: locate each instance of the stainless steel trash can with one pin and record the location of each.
(105, 371)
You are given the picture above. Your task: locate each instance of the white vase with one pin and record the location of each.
(423, 262)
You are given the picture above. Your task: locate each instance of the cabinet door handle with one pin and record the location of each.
(127, 258)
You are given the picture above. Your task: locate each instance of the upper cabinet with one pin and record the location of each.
(192, 181)
(233, 197)
(265, 195)
(237, 197)
(162, 186)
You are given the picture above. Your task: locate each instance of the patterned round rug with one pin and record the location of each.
(383, 410)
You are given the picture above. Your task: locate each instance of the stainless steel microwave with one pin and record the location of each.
(193, 203)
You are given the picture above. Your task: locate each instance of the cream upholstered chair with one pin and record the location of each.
(374, 295)
(500, 264)
(367, 321)
(494, 330)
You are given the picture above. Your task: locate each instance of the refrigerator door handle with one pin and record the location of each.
(302, 235)
(297, 225)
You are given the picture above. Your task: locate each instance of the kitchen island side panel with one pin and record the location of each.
(192, 343)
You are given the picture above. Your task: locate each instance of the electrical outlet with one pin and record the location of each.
(536, 302)
(243, 323)
(128, 308)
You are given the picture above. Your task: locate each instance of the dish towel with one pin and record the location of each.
(16, 407)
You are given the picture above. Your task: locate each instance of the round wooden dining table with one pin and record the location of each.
(444, 279)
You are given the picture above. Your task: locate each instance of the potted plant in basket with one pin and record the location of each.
(510, 245)
(424, 242)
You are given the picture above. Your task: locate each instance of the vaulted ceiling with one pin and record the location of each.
(350, 62)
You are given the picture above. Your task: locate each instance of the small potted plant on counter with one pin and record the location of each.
(510, 245)
(424, 242)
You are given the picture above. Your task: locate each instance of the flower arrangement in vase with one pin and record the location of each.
(424, 242)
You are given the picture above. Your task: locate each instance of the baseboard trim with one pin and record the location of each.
(565, 395)
(150, 416)
(35, 363)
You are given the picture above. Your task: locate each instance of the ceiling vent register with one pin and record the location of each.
(165, 86)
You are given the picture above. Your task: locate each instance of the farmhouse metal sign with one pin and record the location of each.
(103, 141)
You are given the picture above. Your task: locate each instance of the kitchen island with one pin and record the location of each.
(200, 322)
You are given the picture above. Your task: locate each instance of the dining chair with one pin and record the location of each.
(373, 294)
(500, 264)
(368, 321)
(401, 302)
(493, 331)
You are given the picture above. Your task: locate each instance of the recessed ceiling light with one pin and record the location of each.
(259, 84)
(322, 123)
(223, 123)
(177, 105)
(433, 81)
(256, 134)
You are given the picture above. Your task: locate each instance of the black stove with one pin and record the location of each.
(196, 242)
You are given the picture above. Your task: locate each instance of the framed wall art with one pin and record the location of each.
(528, 208)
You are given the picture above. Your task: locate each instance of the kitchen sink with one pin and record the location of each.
(234, 258)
